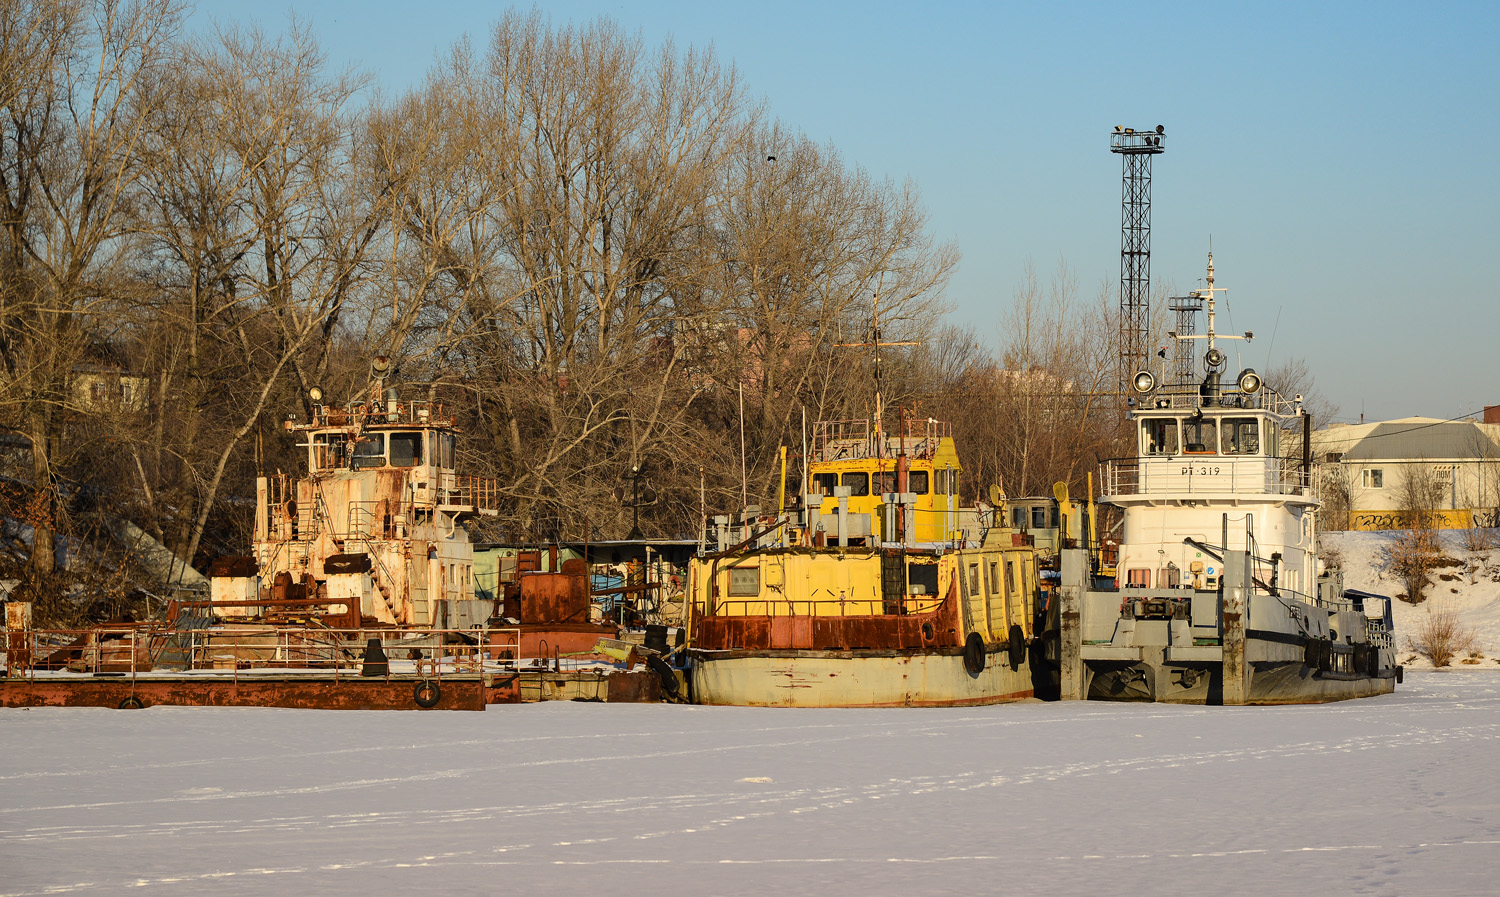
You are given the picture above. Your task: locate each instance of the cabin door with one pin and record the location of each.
(892, 582)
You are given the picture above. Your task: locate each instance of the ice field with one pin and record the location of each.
(1389, 795)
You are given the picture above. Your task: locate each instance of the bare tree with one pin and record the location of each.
(262, 230)
(71, 79)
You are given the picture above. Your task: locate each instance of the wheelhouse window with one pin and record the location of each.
(885, 481)
(1159, 436)
(823, 483)
(744, 582)
(1200, 437)
(1039, 517)
(1241, 436)
(1373, 478)
(406, 449)
(922, 579)
(330, 451)
(1018, 518)
(369, 451)
(858, 483)
(917, 481)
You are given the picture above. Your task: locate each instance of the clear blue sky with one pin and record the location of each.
(1344, 157)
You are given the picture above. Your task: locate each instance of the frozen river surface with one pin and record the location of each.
(1389, 795)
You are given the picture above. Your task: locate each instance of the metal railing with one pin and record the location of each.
(841, 606)
(142, 648)
(1206, 475)
(1186, 396)
(850, 440)
(364, 414)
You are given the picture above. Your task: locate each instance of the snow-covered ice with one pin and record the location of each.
(1388, 795)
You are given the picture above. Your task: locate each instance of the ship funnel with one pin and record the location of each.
(1209, 391)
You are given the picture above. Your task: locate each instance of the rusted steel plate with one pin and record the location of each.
(640, 687)
(938, 629)
(317, 693)
(554, 598)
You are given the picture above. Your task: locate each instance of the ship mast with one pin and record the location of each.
(1214, 357)
(874, 345)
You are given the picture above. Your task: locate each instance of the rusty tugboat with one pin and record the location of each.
(359, 594)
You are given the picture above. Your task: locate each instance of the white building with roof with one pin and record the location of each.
(1370, 470)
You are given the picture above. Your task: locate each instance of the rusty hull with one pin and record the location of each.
(312, 692)
(938, 629)
(315, 692)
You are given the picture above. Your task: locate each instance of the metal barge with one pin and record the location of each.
(359, 593)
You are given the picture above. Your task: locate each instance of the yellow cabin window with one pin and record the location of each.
(994, 577)
(1010, 576)
(974, 579)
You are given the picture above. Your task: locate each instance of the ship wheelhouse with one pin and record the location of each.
(373, 523)
(1211, 474)
(872, 487)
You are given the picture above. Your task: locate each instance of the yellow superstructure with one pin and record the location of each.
(900, 488)
(993, 588)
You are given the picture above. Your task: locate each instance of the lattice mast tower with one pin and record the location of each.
(1135, 148)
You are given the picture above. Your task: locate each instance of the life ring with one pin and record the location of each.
(974, 654)
(427, 693)
(1017, 646)
(131, 702)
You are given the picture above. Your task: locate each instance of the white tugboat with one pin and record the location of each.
(1218, 598)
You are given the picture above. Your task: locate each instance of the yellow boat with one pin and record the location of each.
(882, 592)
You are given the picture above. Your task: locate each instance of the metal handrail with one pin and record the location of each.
(334, 650)
(1197, 474)
(910, 605)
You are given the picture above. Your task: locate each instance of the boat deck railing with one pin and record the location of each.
(366, 414)
(247, 649)
(833, 606)
(1188, 396)
(854, 440)
(1206, 475)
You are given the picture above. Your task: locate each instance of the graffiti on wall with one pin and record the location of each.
(1461, 518)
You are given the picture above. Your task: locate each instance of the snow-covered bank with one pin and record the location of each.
(1380, 796)
(1471, 591)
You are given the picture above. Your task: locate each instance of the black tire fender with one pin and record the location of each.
(664, 672)
(427, 693)
(131, 702)
(1400, 673)
(1017, 646)
(974, 654)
